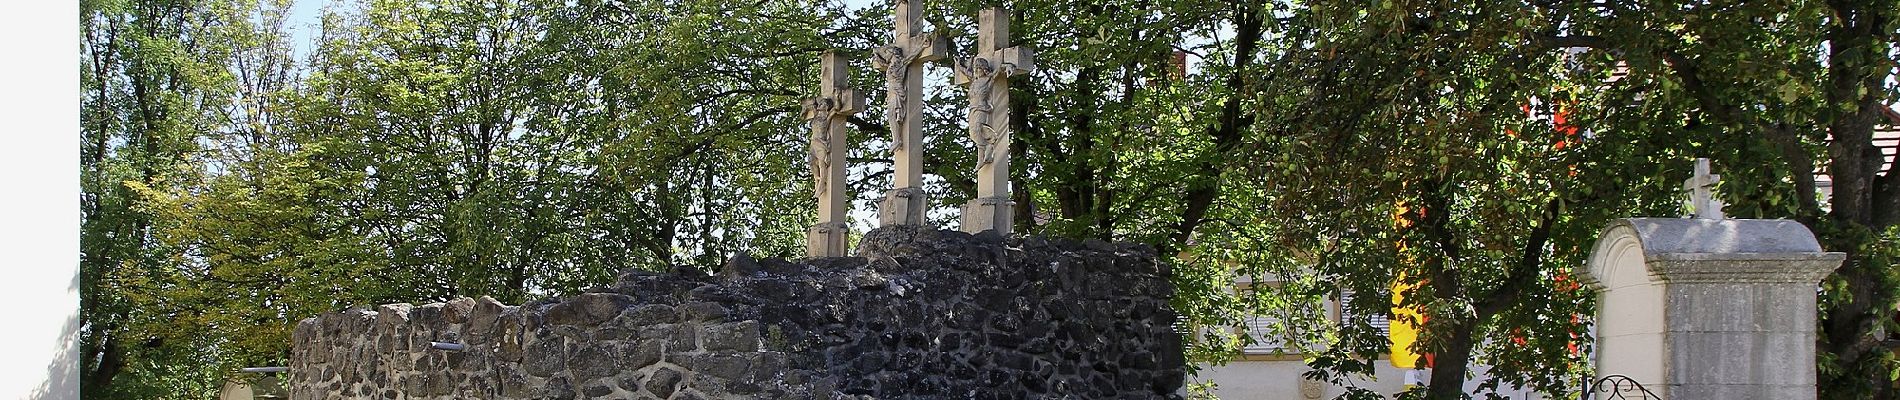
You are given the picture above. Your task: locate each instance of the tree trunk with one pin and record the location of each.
(1857, 69)
(96, 378)
(1225, 133)
(1450, 363)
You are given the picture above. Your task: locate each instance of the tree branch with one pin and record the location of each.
(728, 93)
(1524, 273)
(1547, 42)
(1800, 167)
(1437, 226)
(1226, 133)
(1886, 204)
(868, 127)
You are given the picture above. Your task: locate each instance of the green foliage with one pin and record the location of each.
(1404, 106)
(1783, 95)
(427, 149)
(155, 84)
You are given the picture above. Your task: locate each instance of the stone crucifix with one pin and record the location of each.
(986, 75)
(902, 64)
(1701, 187)
(827, 114)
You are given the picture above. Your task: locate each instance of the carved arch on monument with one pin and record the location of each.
(1630, 305)
(1618, 242)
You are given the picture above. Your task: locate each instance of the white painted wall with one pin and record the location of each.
(39, 211)
(1280, 380)
(1629, 312)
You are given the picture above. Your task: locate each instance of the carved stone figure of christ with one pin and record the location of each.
(818, 112)
(895, 66)
(982, 78)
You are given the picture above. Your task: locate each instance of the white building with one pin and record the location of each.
(1271, 370)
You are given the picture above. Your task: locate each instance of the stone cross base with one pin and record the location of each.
(987, 213)
(825, 240)
(903, 206)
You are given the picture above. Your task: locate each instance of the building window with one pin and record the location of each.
(1272, 339)
(1270, 335)
(1267, 339)
(1377, 320)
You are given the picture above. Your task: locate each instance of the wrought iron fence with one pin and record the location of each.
(1616, 387)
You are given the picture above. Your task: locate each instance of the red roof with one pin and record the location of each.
(1887, 137)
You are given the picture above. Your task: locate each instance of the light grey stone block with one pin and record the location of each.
(1729, 392)
(1741, 358)
(1724, 236)
(1741, 307)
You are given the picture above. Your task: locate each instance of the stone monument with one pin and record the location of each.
(829, 142)
(986, 75)
(1707, 307)
(902, 64)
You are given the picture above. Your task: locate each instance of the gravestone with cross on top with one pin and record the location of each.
(1705, 307)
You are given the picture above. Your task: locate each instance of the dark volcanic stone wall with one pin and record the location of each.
(920, 314)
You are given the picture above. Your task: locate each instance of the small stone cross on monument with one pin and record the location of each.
(986, 75)
(827, 114)
(1701, 187)
(902, 64)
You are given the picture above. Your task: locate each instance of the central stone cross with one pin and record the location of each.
(827, 114)
(1700, 187)
(986, 75)
(902, 64)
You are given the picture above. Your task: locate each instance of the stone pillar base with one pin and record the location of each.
(903, 206)
(825, 240)
(987, 213)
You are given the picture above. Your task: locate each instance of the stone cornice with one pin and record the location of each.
(1806, 268)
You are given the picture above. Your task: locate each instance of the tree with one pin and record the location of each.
(1117, 141)
(156, 81)
(1733, 82)
(430, 150)
(524, 148)
(1444, 145)
(1787, 95)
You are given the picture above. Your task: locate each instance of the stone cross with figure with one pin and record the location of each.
(986, 75)
(902, 65)
(827, 114)
(1701, 187)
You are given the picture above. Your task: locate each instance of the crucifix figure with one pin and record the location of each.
(1701, 187)
(902, 64)
(986, 75)
(827, 113)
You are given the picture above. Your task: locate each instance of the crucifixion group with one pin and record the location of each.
(985, 75)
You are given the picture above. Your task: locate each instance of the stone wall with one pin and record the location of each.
(919, 314)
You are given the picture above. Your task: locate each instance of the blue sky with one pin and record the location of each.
(302, 21)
